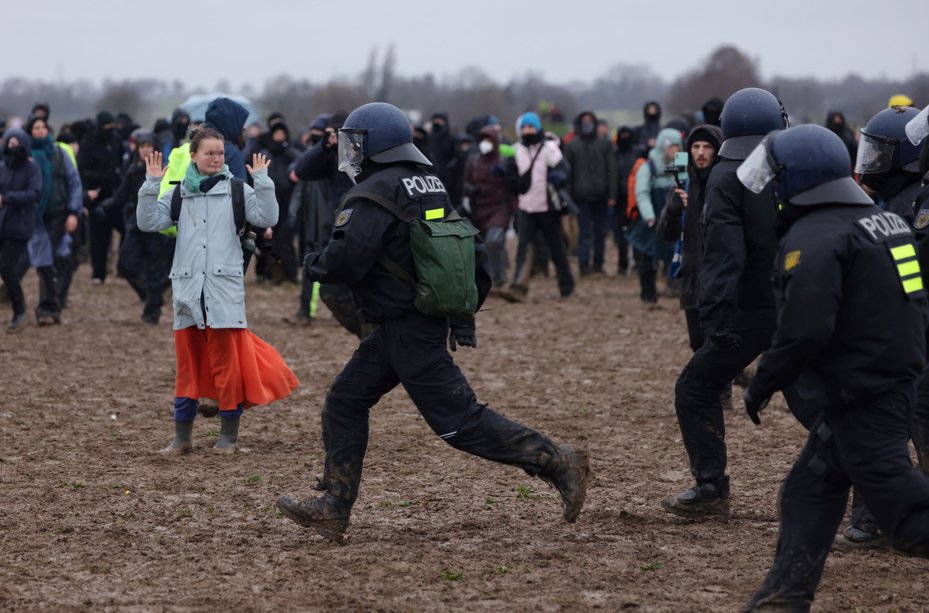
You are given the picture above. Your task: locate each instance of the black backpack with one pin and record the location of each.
(242, 228)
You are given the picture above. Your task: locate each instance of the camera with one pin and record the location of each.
(678, 168)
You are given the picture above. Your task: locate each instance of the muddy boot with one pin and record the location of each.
(327, 515)
(182, 438)
(709, 500)
(568, 473)
(228, 435)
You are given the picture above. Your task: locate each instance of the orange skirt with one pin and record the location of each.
(231, 366)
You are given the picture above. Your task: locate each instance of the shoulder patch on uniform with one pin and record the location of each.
(343, 217)
(791, 260)
(922, 219)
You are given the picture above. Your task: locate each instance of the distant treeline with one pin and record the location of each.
(471, 93)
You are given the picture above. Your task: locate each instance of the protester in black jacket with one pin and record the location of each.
(142, 256)
(99, 162)
(280, 248)
(20, 190)
(626, 155)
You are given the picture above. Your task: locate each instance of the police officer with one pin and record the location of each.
(852, 314)
(407, 347)
(888, 164)
(736, 306)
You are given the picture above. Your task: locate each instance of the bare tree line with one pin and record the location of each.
(471, 92)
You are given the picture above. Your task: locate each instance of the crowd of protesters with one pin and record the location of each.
(68, 192)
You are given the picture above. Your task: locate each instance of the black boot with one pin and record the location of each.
(228, 435)
(708, 500)
(182, 438)
(568, 472)
(328, 515)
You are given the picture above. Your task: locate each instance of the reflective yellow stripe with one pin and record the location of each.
(903, 252)
(435, 214)
(913, 285)
(907, 269)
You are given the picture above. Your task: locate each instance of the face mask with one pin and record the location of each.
(531, 139)
(438, 128)
(485, 147)
(587, 128)
(315, 138)
(16, 155)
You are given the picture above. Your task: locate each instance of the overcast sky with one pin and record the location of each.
(203, 41)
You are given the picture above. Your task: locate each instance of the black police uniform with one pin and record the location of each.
(737, 312)
(920, 421)
(406, 347)
(853, 315)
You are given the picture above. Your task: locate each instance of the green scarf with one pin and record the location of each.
(193, 178)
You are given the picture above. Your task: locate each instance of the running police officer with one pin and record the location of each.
(736, 305)
(370, 251)
(852, 315)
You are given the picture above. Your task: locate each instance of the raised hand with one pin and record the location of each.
(259, 162)
(153, 165)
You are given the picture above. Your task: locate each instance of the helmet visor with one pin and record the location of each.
(875, 154)
(351, 151)
(758, 169)
(917, 129)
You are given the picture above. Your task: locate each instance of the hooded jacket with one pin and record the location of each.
(650, 127)
(593, 165)
(206, 276)
(485, 185)
(669, 224)
(20, 188)
(835, 121)
(100, 161)
(228, 118)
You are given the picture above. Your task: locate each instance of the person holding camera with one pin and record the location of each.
(681, 219)
(217, 356)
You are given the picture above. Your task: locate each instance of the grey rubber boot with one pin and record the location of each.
(182, 438)
(228, 435)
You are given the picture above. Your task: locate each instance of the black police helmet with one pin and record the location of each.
(812, 167)
(884, 145)
(748, 115)
(388, 134)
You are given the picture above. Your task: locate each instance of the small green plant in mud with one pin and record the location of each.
(524, 491)
(490, 501)
(253, 480)
(451, 575)
(212, 433)
(74, 485)
(502, 569)
(185, 513)
(651, 566)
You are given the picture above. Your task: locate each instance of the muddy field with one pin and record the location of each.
(93, 518)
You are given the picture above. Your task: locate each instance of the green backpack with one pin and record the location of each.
(443, 259)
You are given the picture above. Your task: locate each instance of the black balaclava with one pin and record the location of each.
(625, 139)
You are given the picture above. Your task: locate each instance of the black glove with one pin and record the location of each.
(310, 258)
(461, 333)
(754, 406)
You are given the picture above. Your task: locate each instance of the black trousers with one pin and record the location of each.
(549, 226)
(864, 446)
(648, 275)
(143, 264)
(105, 218)
(11, 252)
(412, 352)
(697, 393)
